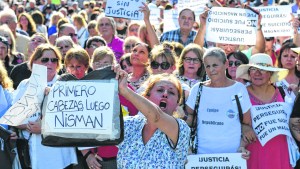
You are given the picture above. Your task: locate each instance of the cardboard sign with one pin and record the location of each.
(125, 9)
(80, 107)
(32, 99)
(270, 120)
(276, 21)
(207, 161)
(231, 26)
(170, 20)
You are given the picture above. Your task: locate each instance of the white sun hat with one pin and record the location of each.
(264, 62)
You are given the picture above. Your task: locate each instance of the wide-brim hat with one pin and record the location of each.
(264, 62)
(297, 50)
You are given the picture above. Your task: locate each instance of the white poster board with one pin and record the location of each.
(125, 9)
(276, 20)
(80, 107)
(191, 4)
(207, 161)
(154, 15)
(31, 101)
(170, 20)
(231, 26)
(270, 120)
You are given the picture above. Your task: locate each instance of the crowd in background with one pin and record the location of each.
(176, 88)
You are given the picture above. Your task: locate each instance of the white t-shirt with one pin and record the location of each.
(218, 124)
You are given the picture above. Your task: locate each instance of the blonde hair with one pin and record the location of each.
(102, 52)
(5, 81)
(80, 20)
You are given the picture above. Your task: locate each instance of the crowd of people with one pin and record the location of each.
(180, 94)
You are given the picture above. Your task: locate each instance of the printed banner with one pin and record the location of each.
(276, 20)
(207, 161)
(191, 4)
(32, 99)
(231, 26)
(270, 120)
(80, 107)
(125, 9)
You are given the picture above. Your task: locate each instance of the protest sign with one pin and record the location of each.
(31, 101)
(125, 9)
(170, 20)
(270, 120)
(276, 21)
(80, 107)
(191, 4)
(206, 161)
(154, 15)
(231, 26)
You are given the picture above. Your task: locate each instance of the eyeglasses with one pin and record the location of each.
(196, 27)
(46, 60)
(163, 65)
(236, 63)
(104, 24)
(94, 46)
(190, 60)
(254, 69)
(72, 34)
(129, 46)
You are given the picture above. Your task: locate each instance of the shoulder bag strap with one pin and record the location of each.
(194, 121)
(239, 108)
(282, 93)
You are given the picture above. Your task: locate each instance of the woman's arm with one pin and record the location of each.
(155, 116)
(199, 39)
(260, 40)
(151, 33)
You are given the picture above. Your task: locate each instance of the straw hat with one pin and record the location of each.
(264, 62)
(297, 50)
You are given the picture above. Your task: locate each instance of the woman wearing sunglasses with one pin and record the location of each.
(235, 59)
(43, 156)
(190, 65)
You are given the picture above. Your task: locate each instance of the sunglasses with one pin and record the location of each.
(235, 63)
(194, 60)
(46, 60)
(254, 69)
(72, 34)
(163, 65)
(129, 46)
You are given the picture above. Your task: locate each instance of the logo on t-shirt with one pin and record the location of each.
(231, 114)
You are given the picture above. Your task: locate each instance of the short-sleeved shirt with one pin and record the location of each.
(218, 124)
(158, 151)
(175, 36)
(116, 46)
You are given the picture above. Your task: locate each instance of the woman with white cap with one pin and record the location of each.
(269, 114)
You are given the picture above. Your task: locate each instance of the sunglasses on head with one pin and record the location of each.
(235, 63)
(46, 60)
(163, 65)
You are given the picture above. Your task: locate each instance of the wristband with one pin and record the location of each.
(259, 28)
(87, 154)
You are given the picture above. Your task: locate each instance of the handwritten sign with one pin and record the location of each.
(125, 9)
(205, 161)
(231, 26)
(31, 101)
(270, 120)
(276, 21)
(80, 107)
(170, 20)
